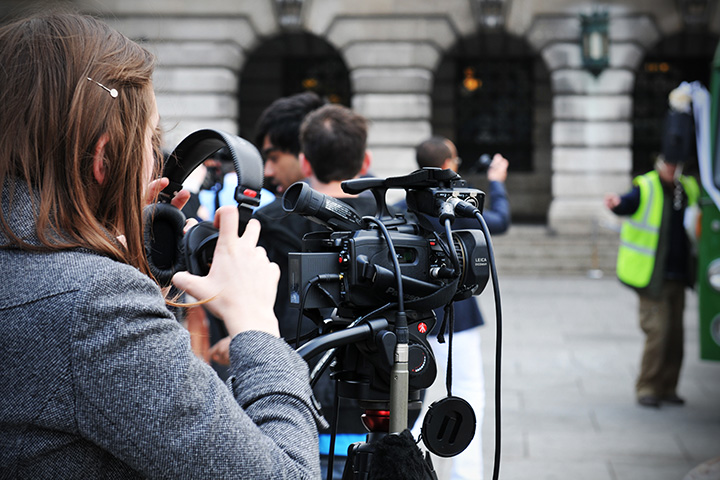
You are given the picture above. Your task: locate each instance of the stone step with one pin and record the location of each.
(534, 249)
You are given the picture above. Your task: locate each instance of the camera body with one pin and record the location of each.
(361, 268)
(350, 270)
(352, 263)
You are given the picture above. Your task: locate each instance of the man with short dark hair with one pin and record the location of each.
(434, 152)
(333, 140)
(277, 137)
(333, 148)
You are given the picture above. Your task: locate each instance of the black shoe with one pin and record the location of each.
(649, 401)
(673, 399)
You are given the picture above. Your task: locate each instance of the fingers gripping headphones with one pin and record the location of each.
(169, 251)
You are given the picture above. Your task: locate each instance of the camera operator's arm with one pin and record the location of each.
(497, 214)
(164, 412)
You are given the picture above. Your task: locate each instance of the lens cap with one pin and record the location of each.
(448, 427)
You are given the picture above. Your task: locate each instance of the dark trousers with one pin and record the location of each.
(661, 320)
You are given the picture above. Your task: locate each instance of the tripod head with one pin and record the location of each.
(364, 358)
(363, 352)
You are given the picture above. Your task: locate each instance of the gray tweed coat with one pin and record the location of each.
(98, 381)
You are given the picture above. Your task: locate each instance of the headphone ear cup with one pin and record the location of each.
(163, 231)
(199, 246)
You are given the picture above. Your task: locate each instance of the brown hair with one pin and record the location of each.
(333, 140)
(51, 120)
(432, 152)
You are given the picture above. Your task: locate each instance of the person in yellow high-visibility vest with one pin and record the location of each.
(656, 259)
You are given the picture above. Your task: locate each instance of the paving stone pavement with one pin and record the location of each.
(570, 353)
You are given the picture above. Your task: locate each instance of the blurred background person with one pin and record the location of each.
(656, 257)
(468, 381)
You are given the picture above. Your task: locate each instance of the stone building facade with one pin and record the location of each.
(581, 125)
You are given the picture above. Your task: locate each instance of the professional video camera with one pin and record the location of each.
(382, 276)
(432, 273)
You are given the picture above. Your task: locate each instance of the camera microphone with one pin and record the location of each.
(300, 198)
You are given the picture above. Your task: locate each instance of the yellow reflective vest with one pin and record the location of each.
(640, 234)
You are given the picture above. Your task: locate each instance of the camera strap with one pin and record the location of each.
(448, 321)
(442, 296)
(449, 424)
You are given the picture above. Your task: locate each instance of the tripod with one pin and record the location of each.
(364, 353)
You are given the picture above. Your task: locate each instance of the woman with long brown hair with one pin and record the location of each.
(98, 378)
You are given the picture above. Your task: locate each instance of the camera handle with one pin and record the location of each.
(346, 336)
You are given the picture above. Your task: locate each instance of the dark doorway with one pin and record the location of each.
(287, 64)
(683, 57)
(483, 98)
(492, 95)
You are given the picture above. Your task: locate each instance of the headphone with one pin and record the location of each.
(168, 250)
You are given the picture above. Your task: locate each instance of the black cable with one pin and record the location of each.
(298, 329)
(306, 290)
(396, 263)
(305, 337)
(498, 341)
(466, 210)
(451, 245)
(441, 243)
(324, 362)
(333, 434)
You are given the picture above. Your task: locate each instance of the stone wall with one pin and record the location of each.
(582, 130)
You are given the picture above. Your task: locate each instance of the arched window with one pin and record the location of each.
(492, 95)
(484, 98)
(286, 64)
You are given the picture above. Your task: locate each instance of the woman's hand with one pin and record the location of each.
(157, 186)
(178, 201)
(242, 283)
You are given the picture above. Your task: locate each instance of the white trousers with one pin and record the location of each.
(468, 383)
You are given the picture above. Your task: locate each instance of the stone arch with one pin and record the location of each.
(492, 94)
(684, 56)
(289, 63)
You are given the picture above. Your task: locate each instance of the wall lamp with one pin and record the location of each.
(594, 41)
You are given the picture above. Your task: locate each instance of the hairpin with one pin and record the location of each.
(113, 93)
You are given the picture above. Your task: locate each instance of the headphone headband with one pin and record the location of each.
(198, 146)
